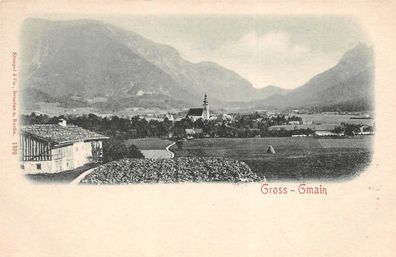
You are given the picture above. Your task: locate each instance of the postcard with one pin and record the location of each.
(162, 128)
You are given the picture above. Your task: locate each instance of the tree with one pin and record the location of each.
(134, 152)
(198, 123)
(179, 144)
(115, 149)
(351, 129)
(338, 130)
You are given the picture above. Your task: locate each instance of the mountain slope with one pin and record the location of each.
(68, 60)
(93, 59)
(220, 83)
(81, 59)
(351, 79)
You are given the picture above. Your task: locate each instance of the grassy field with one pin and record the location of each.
(149, 143)
(334, 119)
(156, 154)
(295, 158)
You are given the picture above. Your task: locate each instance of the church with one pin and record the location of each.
(200, 113)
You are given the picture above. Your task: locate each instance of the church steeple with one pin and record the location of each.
(205, 101)
(205, 114)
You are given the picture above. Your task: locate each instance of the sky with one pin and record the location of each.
(284, 51)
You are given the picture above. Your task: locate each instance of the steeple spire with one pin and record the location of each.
(205, 101)
(205, 114)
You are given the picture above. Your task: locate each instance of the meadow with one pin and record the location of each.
(334, 119)
(149, 143)
(152, 148)
(295, 158)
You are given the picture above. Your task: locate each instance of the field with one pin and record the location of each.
(156, 154)
(334, 119)
(149, 143)
(152, 148)
(295, 158)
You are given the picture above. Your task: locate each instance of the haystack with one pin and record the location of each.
(271, 150)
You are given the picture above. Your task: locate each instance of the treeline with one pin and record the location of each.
(352, 129)
(241, 125)
(115, 127)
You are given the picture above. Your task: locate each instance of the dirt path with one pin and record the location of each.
(168, 149)
(159, 153)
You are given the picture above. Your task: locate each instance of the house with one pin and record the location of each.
(170, 117)
(225, 117)
(325, 134)
(365, 130)
(299, 135)
(294, 122)
(194, 132)
(195, 114)
(52, 148)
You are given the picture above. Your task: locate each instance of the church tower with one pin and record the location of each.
(205, 113)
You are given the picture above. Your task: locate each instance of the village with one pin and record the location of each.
(58, 144)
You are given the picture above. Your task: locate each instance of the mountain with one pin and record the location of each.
(272, 90)
(81, 58)
(87, 63)
(87, 59)
(349, 81)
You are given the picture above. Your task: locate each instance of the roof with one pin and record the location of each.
(195, 112)
(58, 134)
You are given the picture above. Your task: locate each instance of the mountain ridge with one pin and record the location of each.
(351, 78)
(87, 58)
(100, 42)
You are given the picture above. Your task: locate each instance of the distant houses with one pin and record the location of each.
(313, 127)
(52, 148)
(322, 130)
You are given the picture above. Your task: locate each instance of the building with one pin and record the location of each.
(299, 135)
(226, 117)
(326, 134)
(200, 113)
(294, 122)
(52, 148)
(195, 132)
(365, 130)
(313, 127)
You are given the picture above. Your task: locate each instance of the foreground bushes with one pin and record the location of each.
(184, 169)
(115, 149)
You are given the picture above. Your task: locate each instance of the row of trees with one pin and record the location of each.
(242, 125)
(116, 127)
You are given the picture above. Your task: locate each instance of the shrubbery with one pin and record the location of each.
(115, 149)
(184, 169)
